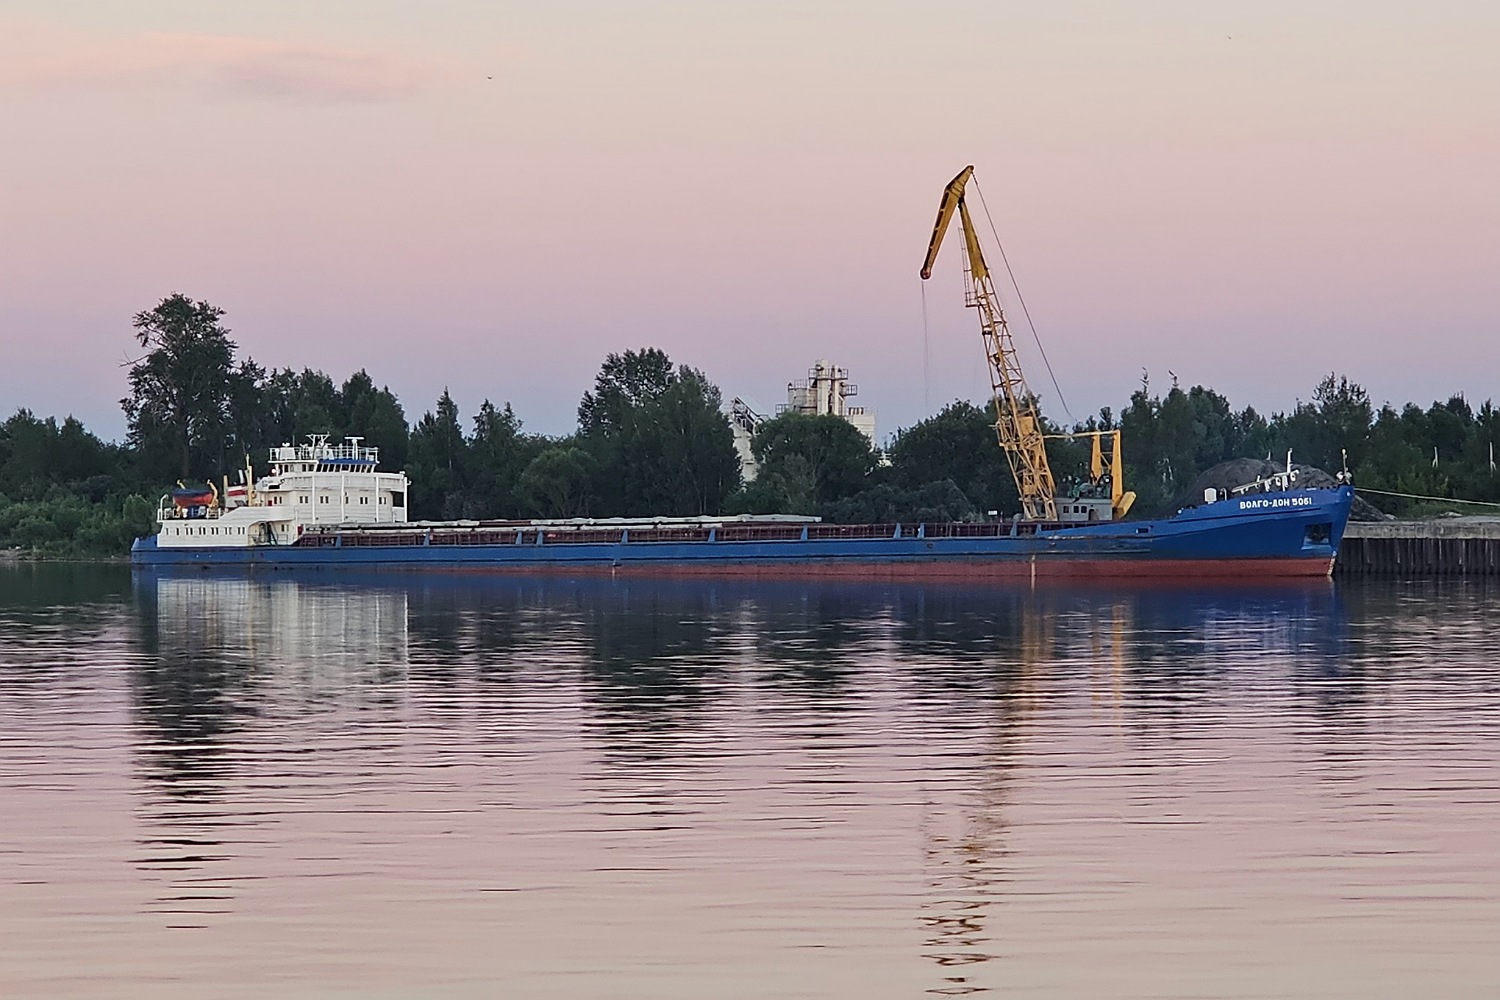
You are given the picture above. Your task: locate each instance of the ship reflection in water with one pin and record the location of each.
(224, 648)
(446, 785)
(223, 656)
(276, 620)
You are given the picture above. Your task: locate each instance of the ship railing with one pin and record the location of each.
(966, 529)
(324, 452)
(318, 536)
(760, 532)
(168, 511)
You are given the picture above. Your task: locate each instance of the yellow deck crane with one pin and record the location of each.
(1018, 424)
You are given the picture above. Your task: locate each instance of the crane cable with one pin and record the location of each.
(1021, 299)
(926, 394)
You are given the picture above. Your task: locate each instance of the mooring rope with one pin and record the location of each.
(1419, 496)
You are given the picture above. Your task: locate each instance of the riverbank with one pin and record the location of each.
(18, 557)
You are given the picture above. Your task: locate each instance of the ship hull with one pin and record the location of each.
(1282, 535)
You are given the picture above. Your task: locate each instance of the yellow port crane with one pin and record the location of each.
(1018, 424)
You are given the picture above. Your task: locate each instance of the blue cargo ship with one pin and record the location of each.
(326, 506)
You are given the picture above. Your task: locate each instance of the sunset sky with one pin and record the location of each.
(490, 196)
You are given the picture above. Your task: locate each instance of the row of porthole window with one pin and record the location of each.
(208, 531)
(303, 498)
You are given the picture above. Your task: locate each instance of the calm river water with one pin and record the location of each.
(424, 786)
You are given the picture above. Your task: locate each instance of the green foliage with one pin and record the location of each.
(285, 407)
(957, 446)
(1443, 451)
(180, 391)
(559, 482)
(1166, 442)
(375, 415)
(787, 487)
(1338, 420)
(63, 491)
(626, 384)
(498, 456)
(887, 503)
(38, 455)
(437, 463)
(659, 440)
(680, 457)
(652, 439)
(63, 524)
(818, 460)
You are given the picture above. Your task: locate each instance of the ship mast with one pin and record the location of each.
(1018, 424)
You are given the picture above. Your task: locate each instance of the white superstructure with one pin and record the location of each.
(311, 484)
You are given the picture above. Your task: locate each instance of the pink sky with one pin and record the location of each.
(491, 196)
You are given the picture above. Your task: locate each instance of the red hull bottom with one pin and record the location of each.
(1157, 571)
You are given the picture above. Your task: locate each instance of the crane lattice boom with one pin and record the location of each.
(1018, 423)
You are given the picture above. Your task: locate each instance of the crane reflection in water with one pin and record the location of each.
(1158, 643)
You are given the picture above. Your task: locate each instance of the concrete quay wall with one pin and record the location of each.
(1460, 546)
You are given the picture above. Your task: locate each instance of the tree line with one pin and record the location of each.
(1445, 450)
(652, 439)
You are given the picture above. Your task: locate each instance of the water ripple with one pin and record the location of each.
(463, 787)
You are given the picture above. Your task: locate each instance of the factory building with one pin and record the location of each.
(824, 392)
